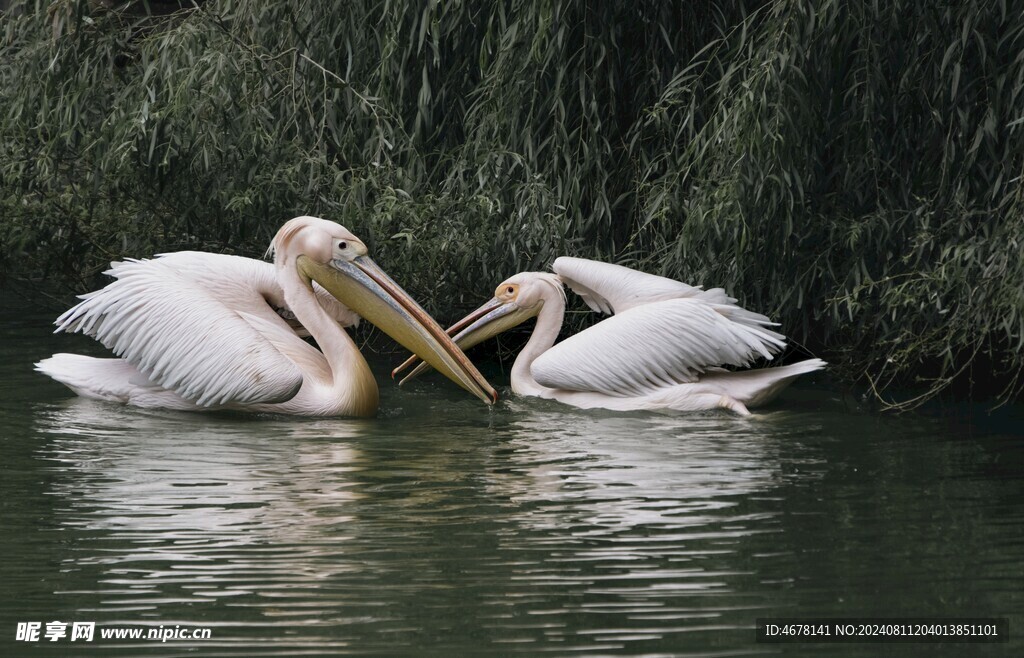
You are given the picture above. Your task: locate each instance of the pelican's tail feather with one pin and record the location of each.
(753, 388)
(112, 380)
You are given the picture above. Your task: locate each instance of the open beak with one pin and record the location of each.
(489, 320)
(362, 286)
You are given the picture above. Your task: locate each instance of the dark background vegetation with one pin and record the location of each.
(853, 169)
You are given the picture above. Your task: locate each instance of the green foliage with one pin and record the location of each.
(855, 168)
(851, 168)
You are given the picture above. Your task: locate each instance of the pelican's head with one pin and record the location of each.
(331, 255)
(527, 291)
(317, 239)
(516, 300)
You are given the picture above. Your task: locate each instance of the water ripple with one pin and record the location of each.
(527, 529)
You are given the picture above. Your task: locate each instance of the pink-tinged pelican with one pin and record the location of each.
(201, 331)
(662, 349)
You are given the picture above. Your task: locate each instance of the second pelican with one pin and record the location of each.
(661, 350)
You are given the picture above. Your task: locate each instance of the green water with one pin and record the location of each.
(443, 527)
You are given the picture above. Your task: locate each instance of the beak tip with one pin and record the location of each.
(494, 397)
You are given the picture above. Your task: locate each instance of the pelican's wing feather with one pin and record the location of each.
(652, 346)
(308, 358)
(234, 279)
(178, 319)
(608, 288)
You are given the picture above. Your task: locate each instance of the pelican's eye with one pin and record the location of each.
(347, 249)
(507, 291)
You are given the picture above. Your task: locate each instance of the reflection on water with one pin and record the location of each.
(531, 528)
(204, 482)
(616, 473)
(270, 513)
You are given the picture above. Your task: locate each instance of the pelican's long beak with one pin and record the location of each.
(489, 320)
(362, 286)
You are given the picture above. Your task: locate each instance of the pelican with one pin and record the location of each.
(198, 331)
(662, 349)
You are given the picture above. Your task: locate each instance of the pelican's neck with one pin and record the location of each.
(549, 323)
(351, 384)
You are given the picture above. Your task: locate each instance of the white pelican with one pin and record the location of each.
(205, 331)
(661, 350)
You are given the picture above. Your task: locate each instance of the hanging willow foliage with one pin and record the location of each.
(856, 168)
(851, 168)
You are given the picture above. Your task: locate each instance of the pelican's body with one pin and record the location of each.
(662, 349)
(198, 331)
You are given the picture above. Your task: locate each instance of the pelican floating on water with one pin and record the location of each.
(201, 331)
(661, 350)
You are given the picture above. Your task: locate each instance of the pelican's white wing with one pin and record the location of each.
(652, 346)
(231, 279)
(608, 288)
(181, 320)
